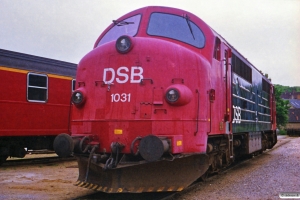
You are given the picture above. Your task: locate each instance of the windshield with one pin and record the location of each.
(127, 26)
(176, 27)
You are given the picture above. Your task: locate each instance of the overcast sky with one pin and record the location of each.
(267, 32)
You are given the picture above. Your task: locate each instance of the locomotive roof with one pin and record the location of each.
(35, 63)
(237, 53)
(210, 33)
(146, 11)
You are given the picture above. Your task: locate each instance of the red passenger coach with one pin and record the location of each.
(34, 102)
(162, 100)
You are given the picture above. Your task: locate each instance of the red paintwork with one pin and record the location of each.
(165, 62)
(22, 118)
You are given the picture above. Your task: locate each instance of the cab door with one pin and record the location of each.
(226, 75)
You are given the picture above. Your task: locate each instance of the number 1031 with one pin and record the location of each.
(120, 97)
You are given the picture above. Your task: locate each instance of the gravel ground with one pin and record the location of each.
(262, 177)
(41, 181)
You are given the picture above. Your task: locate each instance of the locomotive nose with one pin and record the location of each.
(63, 145)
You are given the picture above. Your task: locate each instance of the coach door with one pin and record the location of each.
(226, 75)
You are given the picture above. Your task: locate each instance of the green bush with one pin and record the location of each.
(282, 132)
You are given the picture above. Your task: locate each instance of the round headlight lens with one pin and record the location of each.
(123, 44)
(172, 95)
(77, 98)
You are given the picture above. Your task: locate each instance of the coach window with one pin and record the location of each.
(37, 87)
(73, 84)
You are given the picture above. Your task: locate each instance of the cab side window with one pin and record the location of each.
(217, 49)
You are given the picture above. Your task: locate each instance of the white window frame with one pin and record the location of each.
(73, 85)
(37, 87)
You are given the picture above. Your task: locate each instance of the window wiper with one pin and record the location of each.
(189, 24)
(121, 23)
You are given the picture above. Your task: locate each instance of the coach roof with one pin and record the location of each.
(35, 63)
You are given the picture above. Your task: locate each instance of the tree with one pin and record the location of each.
(282, 107)
(288, 88)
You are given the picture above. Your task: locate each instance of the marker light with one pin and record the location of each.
(123, 44)
(172, 95)
(178, 95)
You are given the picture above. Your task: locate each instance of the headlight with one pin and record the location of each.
(172, 95)
(123, 44)
(78, 98)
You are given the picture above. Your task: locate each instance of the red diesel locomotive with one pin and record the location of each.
(162, 100)
(34, 102)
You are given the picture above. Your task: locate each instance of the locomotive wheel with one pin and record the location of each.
(2, 159)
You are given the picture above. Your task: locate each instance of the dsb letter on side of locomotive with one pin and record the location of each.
(161, 100)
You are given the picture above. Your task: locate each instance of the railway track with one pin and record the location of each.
(36, 157)
(156, 195)
(30, 161)
(281, 141)
(172, 195)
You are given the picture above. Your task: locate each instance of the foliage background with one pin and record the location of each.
(282, 106)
